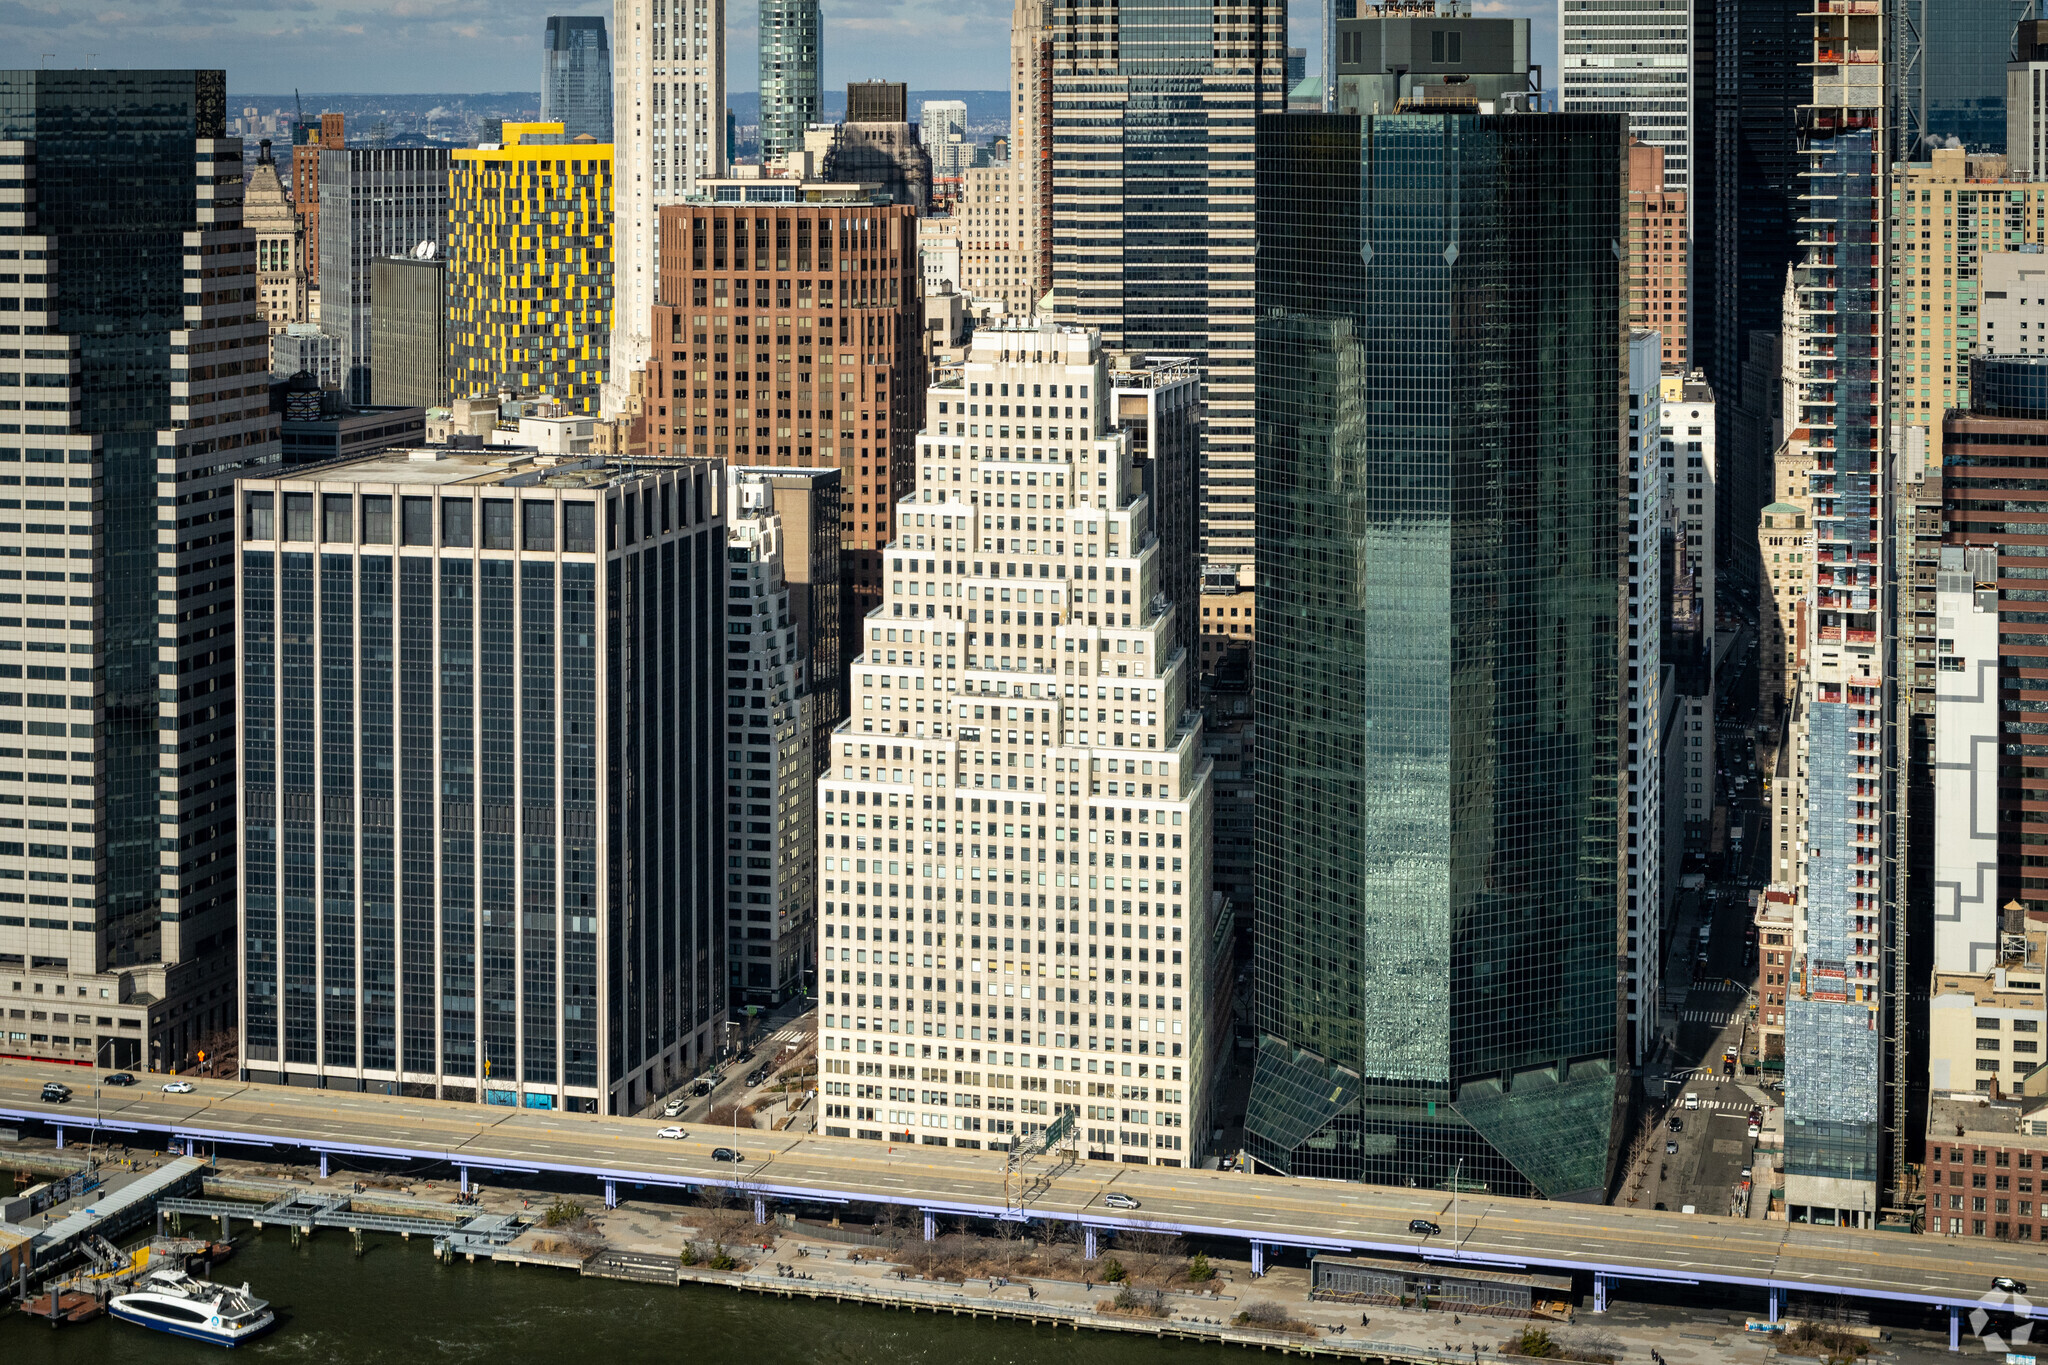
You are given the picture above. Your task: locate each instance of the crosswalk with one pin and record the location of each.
(1715, 1017)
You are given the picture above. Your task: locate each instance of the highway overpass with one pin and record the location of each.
(1609, 1244)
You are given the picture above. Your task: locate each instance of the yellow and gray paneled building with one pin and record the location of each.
(530, 266)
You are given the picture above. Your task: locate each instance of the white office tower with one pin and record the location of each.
(1632, 57)
(1014, 883)
(668, 132)
(770, 902)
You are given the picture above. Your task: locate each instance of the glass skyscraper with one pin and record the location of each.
(576, 77)
(131, 337)
(1153, 110)
(1442, 400)
(792, 56)
(1959, 49)
(480, 784)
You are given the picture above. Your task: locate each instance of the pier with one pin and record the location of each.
(303, 1211)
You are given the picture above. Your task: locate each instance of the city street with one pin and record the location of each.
(1703, 1025)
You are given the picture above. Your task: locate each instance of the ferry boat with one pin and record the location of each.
(171, 1301)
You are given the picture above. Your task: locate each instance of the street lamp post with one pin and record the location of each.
(1457, 1179)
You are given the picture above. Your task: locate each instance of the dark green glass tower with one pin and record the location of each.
(1442, 426)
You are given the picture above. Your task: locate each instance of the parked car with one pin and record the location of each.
(1117, 1199)
(672, 1131)
(55, 1092)
(1423, 1226)
(120, 1078)
(178, 1087)
(725, 1154)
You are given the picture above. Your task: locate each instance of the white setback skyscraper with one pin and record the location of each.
(1014, 879)
(668, 132)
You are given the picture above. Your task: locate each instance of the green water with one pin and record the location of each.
(397, 1304)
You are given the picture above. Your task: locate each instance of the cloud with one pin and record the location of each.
(459, 46)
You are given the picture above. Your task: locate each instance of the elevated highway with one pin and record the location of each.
(1608, 1243)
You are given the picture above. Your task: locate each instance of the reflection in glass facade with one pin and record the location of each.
(442, 727)
(1441, 415)
(576, 77)
(1967, 44)
(792, 54)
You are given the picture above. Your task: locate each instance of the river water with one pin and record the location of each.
(397, 1304)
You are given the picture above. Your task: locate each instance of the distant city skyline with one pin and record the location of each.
(478, 46)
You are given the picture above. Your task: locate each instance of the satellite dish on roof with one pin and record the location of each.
(425, 251)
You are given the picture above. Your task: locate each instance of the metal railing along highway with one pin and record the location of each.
(1268, 1211)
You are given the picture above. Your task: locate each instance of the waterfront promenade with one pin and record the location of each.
(1608, 1243)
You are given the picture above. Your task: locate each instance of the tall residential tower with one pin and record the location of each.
(529, 267)
(668, 132)
(792, 44)
(1839, 1006)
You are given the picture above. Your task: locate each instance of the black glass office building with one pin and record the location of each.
(480, 780)
(1442, 426)
(1746, 223)
(576, 77)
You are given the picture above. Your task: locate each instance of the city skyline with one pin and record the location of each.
(1423, 398)
(486, 46)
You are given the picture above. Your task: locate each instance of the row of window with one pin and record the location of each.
(339, 521)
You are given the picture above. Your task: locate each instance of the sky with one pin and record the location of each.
(470, 46)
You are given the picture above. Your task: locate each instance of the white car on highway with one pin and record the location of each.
(178, 1087)
(671, 1132)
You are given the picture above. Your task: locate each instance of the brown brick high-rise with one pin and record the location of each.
(307, 142)
(791, 334)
